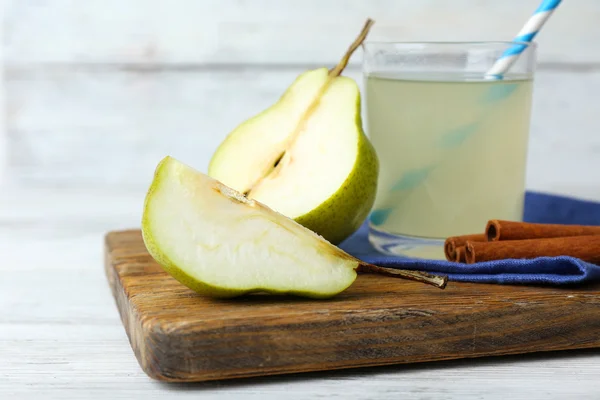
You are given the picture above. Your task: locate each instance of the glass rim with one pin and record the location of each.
(471, 43)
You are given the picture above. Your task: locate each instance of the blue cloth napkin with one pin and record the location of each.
(539, 207)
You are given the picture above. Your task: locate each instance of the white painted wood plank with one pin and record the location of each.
(100, 368)
(60, 337)
(564, 148)
(82, 361)
(89, 128)
(121, 124)
(60, 229)
(3, 139)
(274, 31)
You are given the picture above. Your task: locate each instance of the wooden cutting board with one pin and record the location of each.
(178, 335)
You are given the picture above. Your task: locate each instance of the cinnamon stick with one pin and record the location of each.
(512, 230)
(453, 242)
(586, 248)
(461, 254)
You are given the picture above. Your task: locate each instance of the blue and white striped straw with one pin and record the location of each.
(527, 33)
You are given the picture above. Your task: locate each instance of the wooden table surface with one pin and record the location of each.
(61, 337)
(97, 91)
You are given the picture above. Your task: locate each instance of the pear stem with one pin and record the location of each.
(334, 72)
(419, 276)
(337, 70)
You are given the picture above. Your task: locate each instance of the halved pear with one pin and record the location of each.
(217, 242)
(307, 156)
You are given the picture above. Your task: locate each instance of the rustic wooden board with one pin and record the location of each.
(178, 335)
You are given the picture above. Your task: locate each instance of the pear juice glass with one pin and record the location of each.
(451, 141)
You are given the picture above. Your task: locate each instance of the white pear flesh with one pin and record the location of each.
(327, 177)
(217, 242)
(255, 143)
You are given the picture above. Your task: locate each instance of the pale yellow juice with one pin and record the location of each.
(452, 151)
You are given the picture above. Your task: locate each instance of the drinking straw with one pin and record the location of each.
(414, 178)
(526, 35)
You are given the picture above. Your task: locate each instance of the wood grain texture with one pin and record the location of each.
(62, 338)
(178, 335)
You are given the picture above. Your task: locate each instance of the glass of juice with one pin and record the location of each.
(451, 139)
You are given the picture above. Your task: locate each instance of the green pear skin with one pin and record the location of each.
(250, 150)
(218, 243)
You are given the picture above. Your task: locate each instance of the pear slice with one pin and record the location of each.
(218, 242)
(307, 156)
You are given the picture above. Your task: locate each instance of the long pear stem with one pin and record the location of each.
(419, 276)
(337, 70)
(333, 72)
